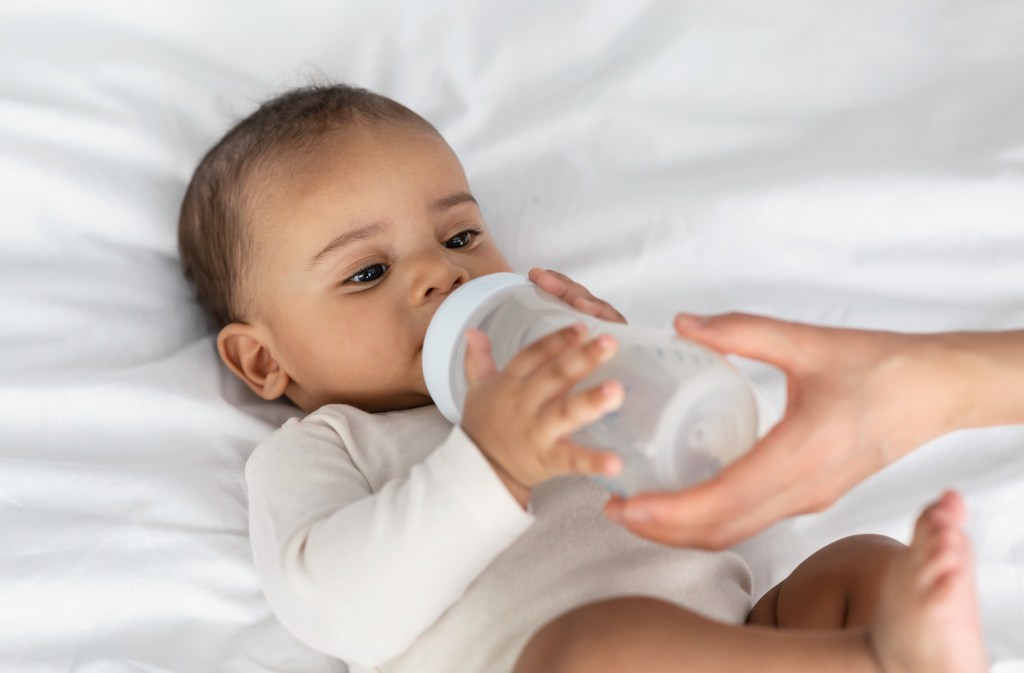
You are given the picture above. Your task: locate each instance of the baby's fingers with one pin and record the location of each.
(569, 458)
(574, 294)
(479, 362)
(565, 415)
(545, 349)
(597, 308)
(562, 373)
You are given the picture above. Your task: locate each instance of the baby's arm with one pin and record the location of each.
(360, 574)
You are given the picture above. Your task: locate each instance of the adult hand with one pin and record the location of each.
(857, 401)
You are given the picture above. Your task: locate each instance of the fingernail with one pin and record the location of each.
(555, 280)
(613, 465)
(608, 388)
(692, 321)
(476, 340)
(636, 515)
(606, 342)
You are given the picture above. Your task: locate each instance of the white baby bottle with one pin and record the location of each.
(686, 413)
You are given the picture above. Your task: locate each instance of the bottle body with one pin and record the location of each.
(686, 412)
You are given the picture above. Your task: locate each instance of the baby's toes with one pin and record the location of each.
(949, 551)
(925, 531)
(951, 508)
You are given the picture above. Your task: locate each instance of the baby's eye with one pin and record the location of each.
(368, 274)
(462, 239)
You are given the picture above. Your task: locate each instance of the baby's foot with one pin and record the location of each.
(927, 619)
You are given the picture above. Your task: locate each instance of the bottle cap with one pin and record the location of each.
(444, 346)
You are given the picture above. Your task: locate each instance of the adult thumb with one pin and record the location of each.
(750, 336)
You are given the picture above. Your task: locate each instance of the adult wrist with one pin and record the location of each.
(914, 391)
(987, 377)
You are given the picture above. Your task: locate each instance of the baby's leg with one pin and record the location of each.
(836, 587)
(649, 635)
(925, 621)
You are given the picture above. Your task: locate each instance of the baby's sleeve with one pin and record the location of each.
(360, 574)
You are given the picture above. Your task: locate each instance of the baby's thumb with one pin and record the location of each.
(743, 334)
(479, 363)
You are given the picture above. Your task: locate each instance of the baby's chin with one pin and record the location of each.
(401, 400)
(375, 402)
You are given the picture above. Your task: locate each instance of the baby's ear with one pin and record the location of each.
(244, 350)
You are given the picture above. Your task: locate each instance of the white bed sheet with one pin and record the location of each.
(841, 163)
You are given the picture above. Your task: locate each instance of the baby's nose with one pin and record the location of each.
(445, 281)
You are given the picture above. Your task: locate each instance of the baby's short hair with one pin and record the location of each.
(213, 240)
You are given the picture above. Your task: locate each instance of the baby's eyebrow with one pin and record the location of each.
(452, 200)
(348, 238)
(379, 227)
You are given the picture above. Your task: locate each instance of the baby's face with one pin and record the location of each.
(354, 257)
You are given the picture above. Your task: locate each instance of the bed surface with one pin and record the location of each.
(843, 164)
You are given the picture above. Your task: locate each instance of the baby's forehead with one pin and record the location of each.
(359, 171)
(353, 152)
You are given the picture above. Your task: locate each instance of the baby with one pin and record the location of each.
(322, 233)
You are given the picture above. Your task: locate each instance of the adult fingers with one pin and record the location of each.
(738, 502)
(773, 341)
(721, 512)
(696, 517)
(818, 484)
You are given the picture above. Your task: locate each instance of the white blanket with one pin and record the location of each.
(839, 163)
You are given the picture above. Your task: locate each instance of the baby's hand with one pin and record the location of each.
(521, 416)
(574, 294)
